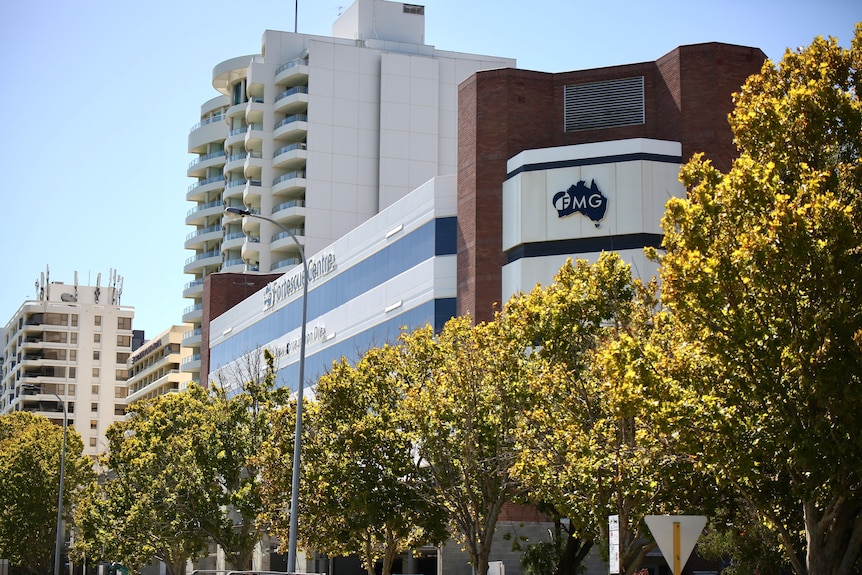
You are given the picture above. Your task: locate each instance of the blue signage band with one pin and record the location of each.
(574, 247)
(634, 157)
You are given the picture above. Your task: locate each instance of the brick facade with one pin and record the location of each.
(687, 98)
(222, 291)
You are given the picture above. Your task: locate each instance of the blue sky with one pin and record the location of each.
(100, 97)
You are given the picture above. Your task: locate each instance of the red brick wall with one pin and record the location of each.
(687, 97)
(222, 291)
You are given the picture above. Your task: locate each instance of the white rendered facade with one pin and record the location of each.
(73, 341)
(636, 177)
(319, 134)
(154, 368)
(396, 269)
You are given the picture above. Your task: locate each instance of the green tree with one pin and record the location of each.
(361, 487)
(591, 444)
(30, 449)
(466, 396)
(180, 470)
(763, 278)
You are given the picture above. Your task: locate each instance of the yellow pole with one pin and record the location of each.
(676, 568)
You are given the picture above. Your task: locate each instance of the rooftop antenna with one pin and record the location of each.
(76, 286)
(98, 285)
(295, 16)
(41, 286)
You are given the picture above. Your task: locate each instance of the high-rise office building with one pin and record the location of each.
(318, 134)
(70, 346)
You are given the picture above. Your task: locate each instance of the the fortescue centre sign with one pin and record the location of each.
(286, 286)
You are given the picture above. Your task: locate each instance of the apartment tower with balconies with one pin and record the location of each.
(70, 346)
(318, 134)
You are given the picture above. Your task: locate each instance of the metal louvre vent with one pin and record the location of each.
(604, 104)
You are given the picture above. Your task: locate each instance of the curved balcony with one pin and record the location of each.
(292, 128)
(232, 241)
(289, 209)
(193, 312)
(254, 110)
(203, 259)
(193, 288)
(208, 131)
(251, 193)
(235, 162)
(292, 156)
(253, 136)
(198, 167)
(292, 73)
(199, 190)
(235, 136)
(292, 101)
(287, 262)
(282, 240)
(191, 337)
(251, 249)
(199, 214)
(253, 165)
(234, 265)
(200, 236)
(291, 182)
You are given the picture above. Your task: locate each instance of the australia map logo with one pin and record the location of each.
(581, 199)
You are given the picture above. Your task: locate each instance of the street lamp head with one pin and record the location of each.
(237, 211)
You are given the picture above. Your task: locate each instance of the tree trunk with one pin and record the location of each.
(574, 553)
(833, 535)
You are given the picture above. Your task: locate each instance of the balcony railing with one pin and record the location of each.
(295, 231)
(210, 120)
(290, 148)
(289, 204)
(203, 255)
(288, 176)
(205, 182)
(206, 157)
(205, 206)
(202, 231)
(291, 64)
(292, 118)
(291, 92)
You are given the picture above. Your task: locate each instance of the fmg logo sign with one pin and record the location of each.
(580, 199)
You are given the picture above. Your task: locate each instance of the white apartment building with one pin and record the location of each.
(318, 134)
(154, 368)
(70, 345)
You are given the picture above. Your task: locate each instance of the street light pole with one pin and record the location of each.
(297, 439)
(58, 543)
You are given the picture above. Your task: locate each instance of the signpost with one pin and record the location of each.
(614, 544)
(676, 536)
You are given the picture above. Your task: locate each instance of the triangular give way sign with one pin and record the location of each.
(676, 536)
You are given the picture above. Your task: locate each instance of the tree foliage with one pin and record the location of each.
(362, 491)
(467, 389)
(30, 449)
(180, 471)
(593, 444)
(762, 276)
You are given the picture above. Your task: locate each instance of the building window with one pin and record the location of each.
(97, 338)
(121, 392)
(119, 409)
(413, 9)
(93, 442)
(73, 338)
(94, 424)
(96, 355)
(97, 320)
(95, 372)
(73, 372)
(73, 355)
(94, 389)
(605, 104)
(74, 320)
(94, 407)
(124, 323)
(122, 357)
(122, 375)
(124, 341)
